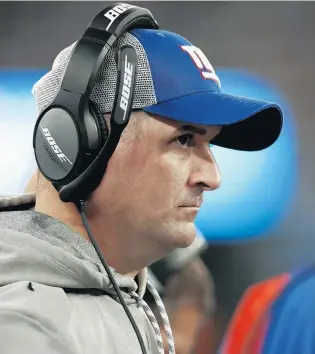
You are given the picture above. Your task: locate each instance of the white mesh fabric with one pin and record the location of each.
(46, 89)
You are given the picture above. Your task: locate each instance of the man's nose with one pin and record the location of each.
(206, 174)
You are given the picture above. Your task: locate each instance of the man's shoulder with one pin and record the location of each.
(35, 300)
(261, 311)
(38, 316)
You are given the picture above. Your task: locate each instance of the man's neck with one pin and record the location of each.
(111, 245)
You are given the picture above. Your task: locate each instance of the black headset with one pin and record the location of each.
(72, 142)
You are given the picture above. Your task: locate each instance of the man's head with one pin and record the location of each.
(154, 182)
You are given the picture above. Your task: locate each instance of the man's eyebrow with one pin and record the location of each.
(192, 129)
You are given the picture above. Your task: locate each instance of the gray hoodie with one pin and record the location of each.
(55, 296)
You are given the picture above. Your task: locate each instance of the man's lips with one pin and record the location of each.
(195, 204)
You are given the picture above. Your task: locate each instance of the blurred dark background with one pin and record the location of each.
(273, 39)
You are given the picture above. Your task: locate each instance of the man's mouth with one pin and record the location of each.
(195, 204)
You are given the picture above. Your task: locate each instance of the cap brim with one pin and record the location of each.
(248, 124)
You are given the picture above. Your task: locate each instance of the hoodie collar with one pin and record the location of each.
(45, 228)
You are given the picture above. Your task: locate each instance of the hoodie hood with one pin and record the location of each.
(55, 255)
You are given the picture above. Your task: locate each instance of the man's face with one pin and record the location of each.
(154, 183)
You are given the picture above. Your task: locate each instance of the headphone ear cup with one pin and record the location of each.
(100, 122)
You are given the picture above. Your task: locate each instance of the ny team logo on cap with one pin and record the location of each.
(202, 63)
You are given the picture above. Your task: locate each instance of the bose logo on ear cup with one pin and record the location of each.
(113, 13)
(62, 157)
(124, 101)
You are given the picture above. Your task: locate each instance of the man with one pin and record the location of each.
(181, 279)
(55, 296)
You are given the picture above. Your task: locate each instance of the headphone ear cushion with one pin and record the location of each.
(100, 122)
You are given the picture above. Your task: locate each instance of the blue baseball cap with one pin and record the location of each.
(175, 80)
(187, 89)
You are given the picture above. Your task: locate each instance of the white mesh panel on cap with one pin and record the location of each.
(46, 89)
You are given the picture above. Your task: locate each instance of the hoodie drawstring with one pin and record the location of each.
(166, 321)
(154, 323)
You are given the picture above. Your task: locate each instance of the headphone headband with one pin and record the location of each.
(67, 137)
(98, 38)
(129, 17)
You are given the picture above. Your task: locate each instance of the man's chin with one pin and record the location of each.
(188, 214)
(186, 234)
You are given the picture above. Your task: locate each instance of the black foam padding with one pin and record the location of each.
(100, 121)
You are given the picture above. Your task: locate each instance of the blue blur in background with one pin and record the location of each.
(256, 187)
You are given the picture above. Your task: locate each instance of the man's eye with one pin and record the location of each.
(185, 140)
